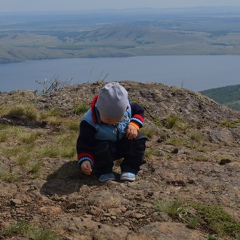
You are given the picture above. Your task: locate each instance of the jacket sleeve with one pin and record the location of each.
(85, 143)
(137, 114)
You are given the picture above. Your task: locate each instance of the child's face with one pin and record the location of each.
(110, 120)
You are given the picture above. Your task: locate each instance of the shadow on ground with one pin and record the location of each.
(66, 180)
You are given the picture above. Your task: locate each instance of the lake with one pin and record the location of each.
(195, 73)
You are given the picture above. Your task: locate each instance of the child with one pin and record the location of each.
(110, 131)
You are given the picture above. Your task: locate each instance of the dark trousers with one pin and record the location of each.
(132, 152)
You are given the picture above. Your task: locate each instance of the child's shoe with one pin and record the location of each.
(127, 176)
(106, 177)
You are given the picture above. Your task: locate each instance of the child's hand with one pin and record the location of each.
(86, 167)
(131, 132)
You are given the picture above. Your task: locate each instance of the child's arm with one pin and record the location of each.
(136, 121)
(137, 115)
(85, 144)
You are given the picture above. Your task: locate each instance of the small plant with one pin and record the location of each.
(171, 207)
(176, 141)
(170, 121)
(52, 85)
(29, 231)
(81, 108)
(196, 136)
(9, 177)
(193, 222)
(48, 151)
(23, 159)
(211, 237)
(158, 122)
(228, 123)
(182, 126)
(148, 131)
(149, 152)
(212, 218)
(199, 158)
(3, 135)
(35, 167)
(54, 121)
(53, 112)
(23, 111)
(73, 126)
(217, 220)
(28, 137)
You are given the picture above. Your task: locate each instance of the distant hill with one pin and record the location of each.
(228, 96)
(203, 31)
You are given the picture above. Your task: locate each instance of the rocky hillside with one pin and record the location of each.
(189, 187)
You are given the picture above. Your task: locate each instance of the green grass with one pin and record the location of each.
(177, 141)
(81, 108)
(26, 111)
(148, 131)
(10, 177)
(228, 123)
(209, 218)
(26, 148)
(196, 136)
(30, 231)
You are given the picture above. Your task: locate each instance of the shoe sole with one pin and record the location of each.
(127, 179)
(109, 179)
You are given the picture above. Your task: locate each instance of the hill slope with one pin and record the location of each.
(189, 182)
(228, 96)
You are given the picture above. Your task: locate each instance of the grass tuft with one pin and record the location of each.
(29, 231)
(197, 215)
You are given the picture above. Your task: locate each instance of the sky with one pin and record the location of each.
(79, 5)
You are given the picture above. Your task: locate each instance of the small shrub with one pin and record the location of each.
(170, 121)
(171, 208)
(148, 131)
(53, 112)
(54, 121)
(193, 222)
(213, 218)
(217, 220)
(228, 123)
(199, 158)
(3, 127)
(48, 151)
(35, 167)
(182, 126)
(23, 159)
(74, 126)
(176, 141)
(81, 108)
(196, 136)
(9, 177)
(23, 111)
(3, 135)
(158, 122)
(28, 137)
(149, 152)
(29, 231)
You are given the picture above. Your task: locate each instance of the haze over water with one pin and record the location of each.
(195, 73)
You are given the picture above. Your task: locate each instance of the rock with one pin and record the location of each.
(170, 231)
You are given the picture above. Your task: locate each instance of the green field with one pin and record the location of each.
(118, 34)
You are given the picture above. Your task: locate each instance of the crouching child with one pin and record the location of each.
(110, 131)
